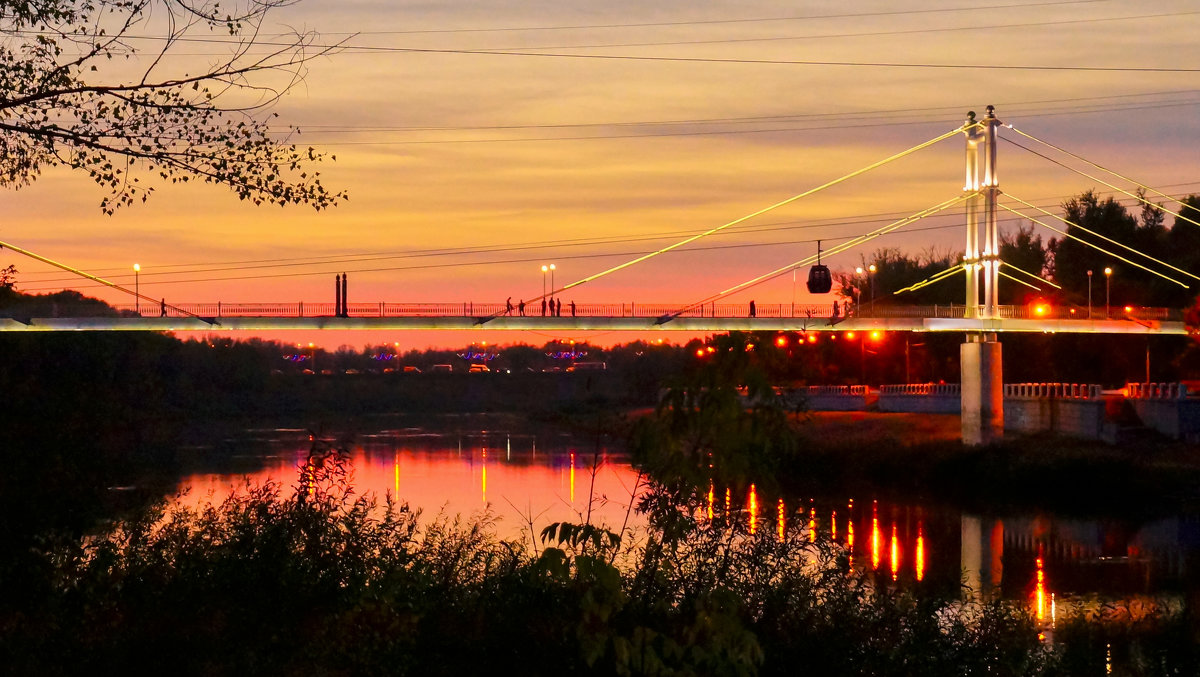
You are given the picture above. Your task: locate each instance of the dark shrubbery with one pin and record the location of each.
(322, 581)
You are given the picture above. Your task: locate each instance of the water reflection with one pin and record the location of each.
(461, 474)
(1040, 558)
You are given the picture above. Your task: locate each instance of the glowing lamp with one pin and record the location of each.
(850, 335)
(812, 338)
(781, 341)
(1129, 309)
(875, 336)
(699, 352)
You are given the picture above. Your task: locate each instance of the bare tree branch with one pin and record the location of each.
(165, 123)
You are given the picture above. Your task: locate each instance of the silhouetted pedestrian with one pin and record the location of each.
(835, 310)
(522, 307)
(753, 312)
(163, 308)
(543, 307)
(572, 307)
(508, 306)
(558, 308)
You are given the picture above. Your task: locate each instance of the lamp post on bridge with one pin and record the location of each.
(137, 289)
(1089, 294)
(1107, 288)
(871, 284)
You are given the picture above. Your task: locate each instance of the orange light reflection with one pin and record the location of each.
(920, 552)
(782, 519)
(875, 536)
(895, 554)
(710, 500)
(753, 509)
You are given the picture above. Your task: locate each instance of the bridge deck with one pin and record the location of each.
(594, 323)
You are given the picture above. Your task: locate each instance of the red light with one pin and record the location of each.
(781, 341)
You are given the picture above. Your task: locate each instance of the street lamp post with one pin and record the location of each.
(871, 283)
(137, 288)
(1107, 289)
(858, 288)
(545, 269)
(1089, 294)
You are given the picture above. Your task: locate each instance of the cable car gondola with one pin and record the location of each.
(820, 281)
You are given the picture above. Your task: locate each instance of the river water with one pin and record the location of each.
(527, 480)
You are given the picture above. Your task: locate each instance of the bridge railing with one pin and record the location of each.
(623, 309)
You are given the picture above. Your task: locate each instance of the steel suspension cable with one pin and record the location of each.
(1094, 246)
(764, 210)
(862, 239)
(1103, 237)
(80, 273)
(1103, 169)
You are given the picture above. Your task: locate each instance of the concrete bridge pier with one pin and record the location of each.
(982, 389)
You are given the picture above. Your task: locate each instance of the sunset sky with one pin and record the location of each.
(479, 141)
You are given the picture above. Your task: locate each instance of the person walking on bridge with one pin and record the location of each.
(522, 307)
(572, 307)
(753, 312)
(558, 307)
(543, 307)
(508, 306)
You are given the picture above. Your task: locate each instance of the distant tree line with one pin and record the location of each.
(1064, 261)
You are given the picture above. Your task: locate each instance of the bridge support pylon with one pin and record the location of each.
(980, 357)
(982, 375)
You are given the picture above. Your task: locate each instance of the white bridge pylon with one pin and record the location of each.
(983, 184)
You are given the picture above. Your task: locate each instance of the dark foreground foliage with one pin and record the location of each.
(325, 582)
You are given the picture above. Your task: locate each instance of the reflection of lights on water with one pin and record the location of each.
(875, 535)
(572, 477)
(484, 476)
(1053, 611)
(850, 540)
(1108, 659)
(833, 525)
(1040, 592)
(396, 466)
(782, 519)
(753, 509)
(812, 525)
(710, 500)
(895, 554)
(920, 563)
(728, 502)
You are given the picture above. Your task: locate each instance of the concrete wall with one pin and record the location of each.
(1167, 408)
(832, 398)
(1072, 409)
(921, 398)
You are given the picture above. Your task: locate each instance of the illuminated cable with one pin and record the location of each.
(1104, 237)
(76, 271)
(1095, 246)
(854, 242)
(932, 279)
(1001, 273)
(762, 211)
(1135, 196)
(1033, 275)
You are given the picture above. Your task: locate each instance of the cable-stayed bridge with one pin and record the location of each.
(716, 317)
(980, 313)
